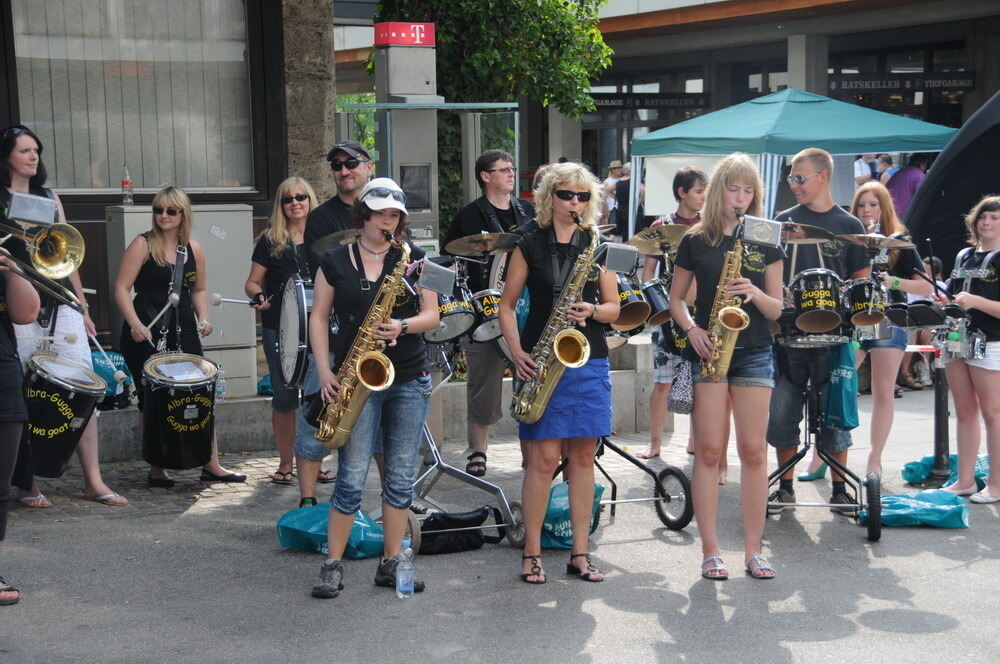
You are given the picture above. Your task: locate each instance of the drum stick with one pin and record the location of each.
(217, 300)
(172, 300)
(119, 375)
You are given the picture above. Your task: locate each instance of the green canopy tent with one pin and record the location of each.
(781, 124)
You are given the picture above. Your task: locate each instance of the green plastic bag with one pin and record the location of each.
(937, 508)
(305, 529)
(557, 530)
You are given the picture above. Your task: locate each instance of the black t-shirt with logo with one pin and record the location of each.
(695, 255)
(988, 287)
(290, 260)
(841, 257)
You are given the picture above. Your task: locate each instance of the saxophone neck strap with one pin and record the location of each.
(562, 261)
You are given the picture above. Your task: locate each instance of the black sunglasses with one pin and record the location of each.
(385, 192)
(14, 130)
(347, 163)
(285, 200)
(567, 195)
(171, 212)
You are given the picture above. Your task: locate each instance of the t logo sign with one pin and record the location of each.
(417, 31)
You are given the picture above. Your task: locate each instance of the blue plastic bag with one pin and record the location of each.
(841, 410)
(917, 472)
(557, 530)
(305, 529)
(264, 388)
(107, 371)
(940, 509)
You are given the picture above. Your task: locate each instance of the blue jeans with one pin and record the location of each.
(399, 414)
(750, 367)
(285, 399)
(793, 368)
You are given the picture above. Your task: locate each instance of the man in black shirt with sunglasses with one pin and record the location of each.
(351, 168)
(498, 210)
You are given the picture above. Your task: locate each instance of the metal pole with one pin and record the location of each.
(942, 466)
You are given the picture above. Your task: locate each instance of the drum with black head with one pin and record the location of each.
(178, 415)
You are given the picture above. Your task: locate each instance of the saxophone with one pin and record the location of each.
(727, 318)
(561, 344)
(366, 368)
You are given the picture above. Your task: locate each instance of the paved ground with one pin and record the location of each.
(195, 574)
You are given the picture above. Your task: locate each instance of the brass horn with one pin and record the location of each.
(56, 250)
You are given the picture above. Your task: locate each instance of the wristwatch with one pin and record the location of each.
(405, 325)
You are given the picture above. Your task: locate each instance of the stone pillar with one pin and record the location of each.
(310, 90)
(808, 58)
(565, 136)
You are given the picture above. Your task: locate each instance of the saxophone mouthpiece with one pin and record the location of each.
(392, 239)
(577, 219)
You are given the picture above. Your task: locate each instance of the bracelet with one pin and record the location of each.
(895, 283)
(689, 328)
(593, 314)
(404, 325)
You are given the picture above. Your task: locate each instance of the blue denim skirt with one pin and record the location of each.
(580, 406)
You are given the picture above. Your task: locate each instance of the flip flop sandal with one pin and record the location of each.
(35, 502)
(477, 464)
(717, 572)
(761, 569)
(282, 478)
(110, 499)
(326, 477)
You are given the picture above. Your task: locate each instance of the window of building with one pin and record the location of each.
(163, 87)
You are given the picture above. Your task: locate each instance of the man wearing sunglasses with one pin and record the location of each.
(809, 180)
(351, 168)
(496, 211)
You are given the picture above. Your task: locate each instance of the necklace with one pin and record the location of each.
(373, 253)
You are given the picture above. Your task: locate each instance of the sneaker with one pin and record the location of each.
(331, 576)
(924, 374)
(385, 575)
(850, 506)
(780, 496)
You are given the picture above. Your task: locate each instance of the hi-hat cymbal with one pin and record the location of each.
(657, 240)
(876, 241)
(327, 242)
(484, 243)
(793, 233)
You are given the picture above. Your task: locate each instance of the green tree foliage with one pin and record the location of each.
(491, 50)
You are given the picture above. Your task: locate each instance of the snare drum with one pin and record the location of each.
(457, 316)
(657, 293)
(293, 329)
(618, 338)
(62, 396)
(487, 304)
(633, 308)
(790, 335)
(178, 415)
(816, 293)
(865, 301)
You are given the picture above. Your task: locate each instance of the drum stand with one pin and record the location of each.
(869, 498)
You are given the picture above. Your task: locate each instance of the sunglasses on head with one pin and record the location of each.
(285, 200)
(385, 192)
(350, 164)
(567, 195)
(14, 130)
(171, 212)
(800, 179)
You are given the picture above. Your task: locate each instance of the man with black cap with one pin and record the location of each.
(351, 168)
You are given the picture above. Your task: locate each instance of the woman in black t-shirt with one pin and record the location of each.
(873, 205)
(975, 384)
(579, 410)
(278, 255)
(18, 304)
(734, 187)
(347, 282)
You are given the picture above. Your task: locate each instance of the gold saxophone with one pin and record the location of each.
(561, 344)
(727, 318)
(366, 369)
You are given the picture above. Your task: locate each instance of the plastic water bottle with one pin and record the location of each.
(220, 385)
(405, 573)
(127, 189)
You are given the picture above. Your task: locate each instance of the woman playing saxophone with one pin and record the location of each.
(579, 409)
(729, 273)
(350, 278)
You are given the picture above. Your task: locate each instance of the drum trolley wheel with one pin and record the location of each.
(671, 489)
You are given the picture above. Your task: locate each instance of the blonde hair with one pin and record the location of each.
(988, 203)
(568, 174)
(170, 197)
(818, 157)
(736, 168)
(277, 232)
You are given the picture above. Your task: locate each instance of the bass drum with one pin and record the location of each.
(178, 416)
(293, 330)
(62, 396)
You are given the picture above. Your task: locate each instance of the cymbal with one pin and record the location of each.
(484, 243)
(793, 233)
(876, 241)
(604, 229)
(657, 240)
(327, 242)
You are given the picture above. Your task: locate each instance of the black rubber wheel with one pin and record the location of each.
(873, 498)
(515, 531)
(673, 488)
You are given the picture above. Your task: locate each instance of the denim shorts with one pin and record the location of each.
(396, 416)
(286, 399)
(793, 367)
(750, 367)
(897, 339)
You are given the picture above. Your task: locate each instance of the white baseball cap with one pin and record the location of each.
(383, 193)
